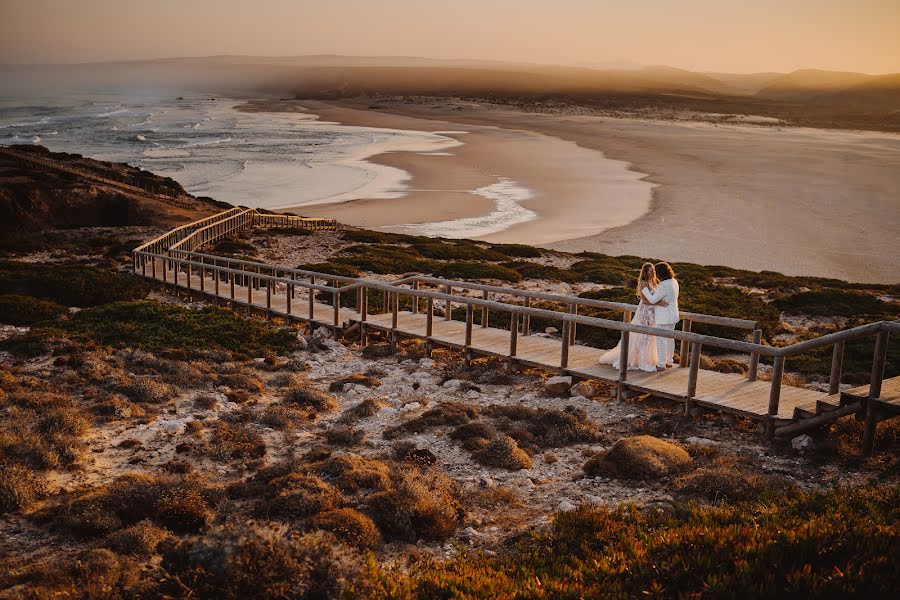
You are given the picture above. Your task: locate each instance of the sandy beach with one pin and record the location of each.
(799, 201)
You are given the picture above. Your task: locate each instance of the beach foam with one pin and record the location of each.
(506, 195)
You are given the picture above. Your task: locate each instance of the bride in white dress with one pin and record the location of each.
(642, 354)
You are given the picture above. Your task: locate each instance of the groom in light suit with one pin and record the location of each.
(667, 314)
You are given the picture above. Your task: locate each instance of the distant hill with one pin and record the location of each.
(808, 84)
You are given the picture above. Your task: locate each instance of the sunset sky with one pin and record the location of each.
(707, 35)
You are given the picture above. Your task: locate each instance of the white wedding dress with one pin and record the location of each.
(642, 352)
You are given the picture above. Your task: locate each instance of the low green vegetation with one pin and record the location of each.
(836, 543)
(25, 310)
(69, 285)
(158, 327)
(477, 270)
(839, 303)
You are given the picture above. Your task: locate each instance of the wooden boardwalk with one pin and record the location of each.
(294, 294)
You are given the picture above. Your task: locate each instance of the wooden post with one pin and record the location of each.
(249, 283)
(231, 281)
(336, 302)
(429, 325)
(268, 297)
(573, 310)
(312, 298)
(470, 317)
(754, 356)
(202, 277)
(363, 315)
(526, 321)
(881, 347)
(623, 366)
(216, 276)
(153, 267)
(774, 396)
(685, 344)
(415, 304)
(692, 379)
(395, 316)
(484, 311)
(189, 275)
(288, 294)
(564, 346)
(513, 338)
(837, 365)
(449, 309)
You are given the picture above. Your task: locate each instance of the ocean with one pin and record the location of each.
(263, 160)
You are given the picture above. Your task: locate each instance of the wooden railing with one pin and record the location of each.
(257, 276)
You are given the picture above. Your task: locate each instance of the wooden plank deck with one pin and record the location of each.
(888, 399)
(728, 392)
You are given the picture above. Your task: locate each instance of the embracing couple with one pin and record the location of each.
(658, 291)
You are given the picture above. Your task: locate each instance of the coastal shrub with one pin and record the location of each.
(420, 505)
(857, 366)
(349, 525)
(639, 457)
(331, 268)
(540, 428)
(517, 250)
(258, 560)
(69, 285)
(837, 303)
(233, 247)
(141, 539)
(503, 452)
(446, 413)
(157, 327)
(386, 259)
(25, 310)
(307, 395)
(712, 299)
(599, 268)
(352, 473)
(832, 543)
(354, 379)
(342, 435)
(367, 408)
(725, 482)
(234, 441)
(19, 487)
(363, 236)
(462, 250)
(530, 270)
(182, 502)
(477, 270)
(285, 492)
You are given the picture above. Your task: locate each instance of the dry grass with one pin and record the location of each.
(503, 452)
(349, 525)
(353, 474)
(420, 505)
(536, 428)
(19, 487)
(639, 457)
(141, 539)
(343, 435)
(233, 441)
(445, 413)
(367, 408)
(259, 560)
(306, 394)
(725, 480)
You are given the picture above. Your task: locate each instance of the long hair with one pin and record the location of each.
(647, 279)
(664, 271)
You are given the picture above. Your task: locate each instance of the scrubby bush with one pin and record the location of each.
(158, 327)
(539, 428)
(445, 413)
(828, 544)
(349, 525)
(141, 539)
(355, 379)
(352, 473)
(420, 505)
(331, 268)
(306, 394)
(25, 310)
(367, 408)
(19, 487)
(234, 441)
(639, 457)
(517, 250)
(477, 270)
(259, 560)
(169, 501)
(837, 303)
(69, 285)
(726, 482)
(503, 452)
(342, 435)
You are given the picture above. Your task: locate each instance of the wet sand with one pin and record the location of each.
(575, 191)
(796, 200)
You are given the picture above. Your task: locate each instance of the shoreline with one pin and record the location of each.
(798, 201)
(491, 187)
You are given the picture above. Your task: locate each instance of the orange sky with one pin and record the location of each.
(713, 35)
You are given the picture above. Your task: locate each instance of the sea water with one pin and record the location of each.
(264, 160)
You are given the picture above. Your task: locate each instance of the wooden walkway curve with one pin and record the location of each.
(343, 303)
